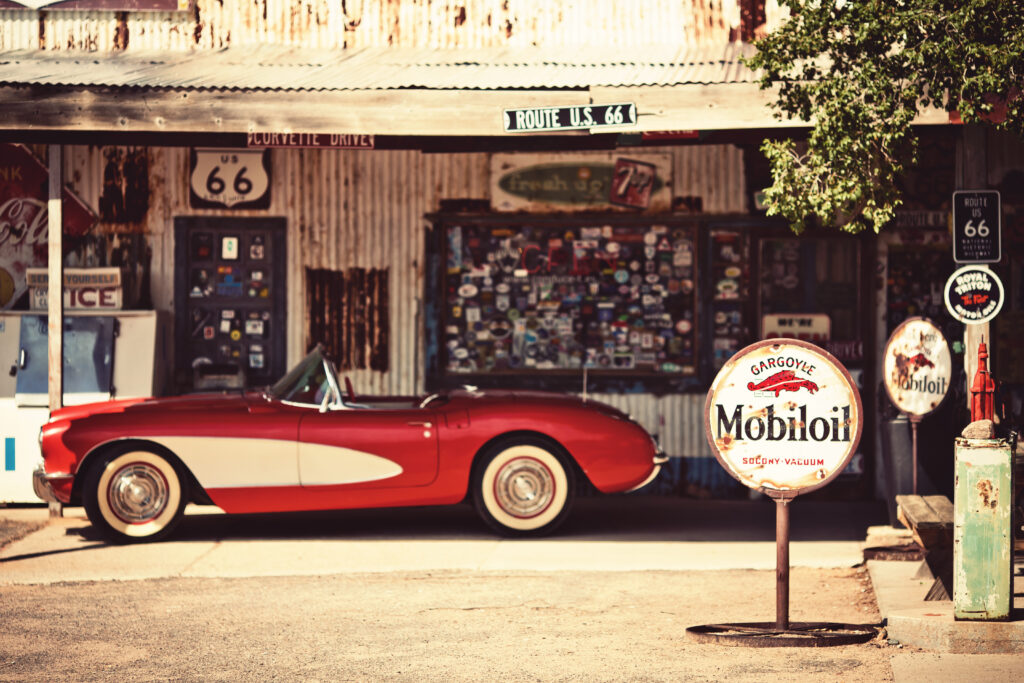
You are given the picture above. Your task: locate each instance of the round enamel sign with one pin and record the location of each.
(974, 294)
(917, 366)
(783, 416)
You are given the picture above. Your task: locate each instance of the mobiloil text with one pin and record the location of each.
(796, 425)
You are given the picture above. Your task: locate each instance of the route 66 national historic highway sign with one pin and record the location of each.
(977, 226)
(783, 416)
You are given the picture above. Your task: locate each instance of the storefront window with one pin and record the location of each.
(810, 289)
(528, 296)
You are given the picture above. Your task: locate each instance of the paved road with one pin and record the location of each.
(604, 534)
(428, 595)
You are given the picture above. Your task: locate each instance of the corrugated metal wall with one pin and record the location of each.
(366, 209)
(214, 24)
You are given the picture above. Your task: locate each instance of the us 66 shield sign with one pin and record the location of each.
(976, 227)
(229, 178)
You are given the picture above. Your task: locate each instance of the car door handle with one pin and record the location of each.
(428, 425)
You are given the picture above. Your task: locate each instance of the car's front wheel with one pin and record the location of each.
(134, 495)
(523, 486)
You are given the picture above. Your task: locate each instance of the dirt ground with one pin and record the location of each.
(11, 530)
(440, 626)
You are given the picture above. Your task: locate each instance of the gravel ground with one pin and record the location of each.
(11, 530)
(439, 626)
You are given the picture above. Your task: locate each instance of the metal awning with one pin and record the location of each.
(382, 91)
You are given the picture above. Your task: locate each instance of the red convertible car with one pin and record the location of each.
(307, 444)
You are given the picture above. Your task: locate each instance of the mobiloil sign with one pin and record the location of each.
(917, 366)
(783, 416)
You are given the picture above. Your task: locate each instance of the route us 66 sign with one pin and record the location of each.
(229, 178)
(783, 416)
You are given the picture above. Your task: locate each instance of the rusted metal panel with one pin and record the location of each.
(361, 209)
(274, 67)
(348, 314)
(674, 418)
(19, 30)
(79, 31)
(712, 176)
(983, 530)
(365, 209)
(216, 24)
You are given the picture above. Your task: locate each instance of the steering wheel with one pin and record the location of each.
(429, 399)
(350, 391)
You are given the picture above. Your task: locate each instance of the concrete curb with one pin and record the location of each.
(900, 590)
(934, 628)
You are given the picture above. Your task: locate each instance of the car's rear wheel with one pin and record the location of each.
(523, 486)
(134, 495)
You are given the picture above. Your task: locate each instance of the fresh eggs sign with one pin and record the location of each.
(783, 417)
(917, 366)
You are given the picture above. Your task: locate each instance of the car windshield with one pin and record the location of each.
(308, 382)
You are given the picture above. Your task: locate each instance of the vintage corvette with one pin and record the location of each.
(310, 443)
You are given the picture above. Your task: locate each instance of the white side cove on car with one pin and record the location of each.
(224, 462)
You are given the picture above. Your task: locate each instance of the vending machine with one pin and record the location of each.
(107, 354)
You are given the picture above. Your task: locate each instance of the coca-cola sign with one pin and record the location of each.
(783, 416)
(24, 218)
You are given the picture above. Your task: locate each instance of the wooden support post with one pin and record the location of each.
(972, 174)
(55, 289)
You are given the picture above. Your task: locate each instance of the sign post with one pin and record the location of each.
(783, 417)
(916, 369)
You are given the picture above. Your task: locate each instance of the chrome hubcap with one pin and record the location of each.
(138, 493)
(524, 487)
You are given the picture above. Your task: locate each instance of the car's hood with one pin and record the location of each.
(190, 402)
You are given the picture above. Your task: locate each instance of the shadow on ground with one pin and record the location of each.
(611, 518)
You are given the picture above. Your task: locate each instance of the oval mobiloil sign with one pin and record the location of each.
(917, 366)
(783, 416)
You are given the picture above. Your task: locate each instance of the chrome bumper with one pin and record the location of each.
(41, 484)
(659, 460)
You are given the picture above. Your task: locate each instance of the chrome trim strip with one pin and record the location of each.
(659, 460)
(41, 484)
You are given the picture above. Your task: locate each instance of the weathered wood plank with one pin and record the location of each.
(929, 518)
(379, 112)
(942, 507)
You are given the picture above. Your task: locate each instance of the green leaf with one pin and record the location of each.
(860, 71)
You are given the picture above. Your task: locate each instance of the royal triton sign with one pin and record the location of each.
(974, 294)
(783, 416)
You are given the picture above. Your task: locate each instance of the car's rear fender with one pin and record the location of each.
(100, 451)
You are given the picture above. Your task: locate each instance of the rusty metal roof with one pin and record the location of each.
(277, 68)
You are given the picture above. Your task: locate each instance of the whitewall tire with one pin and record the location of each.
(523, 487)
(135, 495)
